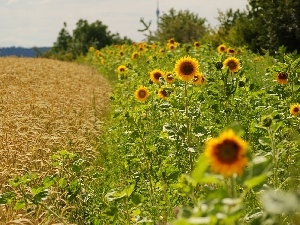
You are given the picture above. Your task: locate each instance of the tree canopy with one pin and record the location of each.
(84, 36)
(265, 25)
(183, 26)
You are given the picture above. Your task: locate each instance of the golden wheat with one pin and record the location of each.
(45, 106)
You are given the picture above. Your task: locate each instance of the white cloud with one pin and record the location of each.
(11, 2)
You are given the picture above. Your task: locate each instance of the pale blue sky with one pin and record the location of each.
(29, 23)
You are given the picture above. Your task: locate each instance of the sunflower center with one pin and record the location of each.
(282, 76)
(142, 94)
(164, 93)
(171, 41)
(187, 68)
(296, 109)
(122, 69)
(222, 49)
(232, 65)
(157, 76)
(227, 151)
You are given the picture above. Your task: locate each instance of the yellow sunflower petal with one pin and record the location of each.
(186, 68)
(226, 153)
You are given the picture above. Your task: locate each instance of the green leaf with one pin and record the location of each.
(296, 63)
(182, 222)
(36, 191)
(137, 198)
(278, 202)
(126, 193)
(48, 181)
(41, 196)
(129, 190)
(210, 180)
(20, 204)
(67, 154)
(7, 197)
(111, 211)
(201, 166)
(113, 196)
(62, 182)
(265, 141)
(254, 181)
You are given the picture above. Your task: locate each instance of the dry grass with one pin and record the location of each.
(45, 106)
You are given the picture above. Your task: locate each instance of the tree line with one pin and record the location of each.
(262, 26)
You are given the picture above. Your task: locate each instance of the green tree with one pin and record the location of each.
(265, 25)
(279, 23)
(183, 26)
(84, 36)
(63, 40)
(232, 29)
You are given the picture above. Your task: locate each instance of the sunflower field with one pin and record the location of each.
(198, 135)
(185, 134)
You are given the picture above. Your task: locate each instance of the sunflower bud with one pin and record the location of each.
(266, 121)
(218, 65)
(241, 83)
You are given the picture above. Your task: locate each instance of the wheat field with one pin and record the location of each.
(45, 106)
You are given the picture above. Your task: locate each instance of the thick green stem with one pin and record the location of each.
(127, 211)
(187, 121)
(148, 163)
(275, 158)
(232, 187)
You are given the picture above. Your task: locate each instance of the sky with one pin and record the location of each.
(36, 23)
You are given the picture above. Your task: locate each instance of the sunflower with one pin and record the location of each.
(171, 41)
(91, 49)
(162, 50)
(282, 77)
(141, 94)
(155, 75)
(121, 53)
(186, 68)
(153, 45)
(199, 79)
(169, 77)
(171, 47)
(141, 48)
(295, 109)
(163, 93)
(135, 55)
(222, 48)
(121, 69)
(98, 53)
(226, 153)
(232, 63)
(196, 44)
(230, 51)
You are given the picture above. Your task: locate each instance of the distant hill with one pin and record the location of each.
(23, 52)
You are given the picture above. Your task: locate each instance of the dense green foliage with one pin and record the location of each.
(265, 25)
(69, 46)
(153, 167)
(183, 26)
